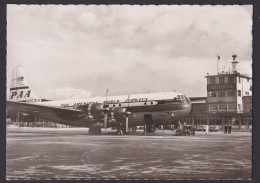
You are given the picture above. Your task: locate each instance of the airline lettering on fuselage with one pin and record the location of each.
(20, 95)
(137, 100)
(33, 100)
(112, 101)
(75, 104)
(108, 102)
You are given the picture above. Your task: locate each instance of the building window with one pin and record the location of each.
(211, 121)
(231, 93)
(231, 79)
(231, 107)
(249, 122)
(196, 121)
(217, 121)
(247, 93)
(217, 80)
(213, 107)
(221, 93)
(242, 121)
(221, 80)
(239, 80)
(248, 106)
(203, 121)
(212, 93)
(248, 80)
(239, 93)
(212, 80)
(208, 81)
(222, 107)
(239, 107)
(226, 79)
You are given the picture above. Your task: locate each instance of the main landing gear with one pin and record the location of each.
(94, 130)
(149, 125)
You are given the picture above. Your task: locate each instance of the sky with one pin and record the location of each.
(74, 51)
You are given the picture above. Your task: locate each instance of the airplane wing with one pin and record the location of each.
(55, 114)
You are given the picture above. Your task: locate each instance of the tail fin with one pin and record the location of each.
(19, 89)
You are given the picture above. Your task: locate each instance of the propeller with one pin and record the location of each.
(105, 111)
(126, 113)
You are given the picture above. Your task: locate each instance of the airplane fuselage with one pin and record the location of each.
(165, 107)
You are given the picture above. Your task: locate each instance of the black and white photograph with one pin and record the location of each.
(129, 92)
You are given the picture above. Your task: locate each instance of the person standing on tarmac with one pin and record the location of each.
(207, 129)
(225, 128)
(120, 129)
(229, 127)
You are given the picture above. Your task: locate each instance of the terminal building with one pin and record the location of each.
(229, 98)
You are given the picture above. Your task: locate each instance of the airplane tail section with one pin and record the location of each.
(19, 88)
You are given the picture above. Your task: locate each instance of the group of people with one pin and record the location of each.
(228, 127)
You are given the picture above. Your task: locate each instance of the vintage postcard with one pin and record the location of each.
(129, 92)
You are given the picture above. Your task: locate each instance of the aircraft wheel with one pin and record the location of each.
(94, 131)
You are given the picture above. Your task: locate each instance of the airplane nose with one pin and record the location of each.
(187, 109)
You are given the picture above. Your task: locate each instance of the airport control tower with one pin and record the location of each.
(226, 90)
(229, 98)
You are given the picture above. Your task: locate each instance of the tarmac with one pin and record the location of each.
(72, 154)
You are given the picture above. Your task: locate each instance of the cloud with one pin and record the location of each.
(67, 93)
(127, 49)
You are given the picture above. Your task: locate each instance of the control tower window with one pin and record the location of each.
(231, 107)
(226, 79)
(213, 107)
(217, 80)
(222, 107)
(212, 80)
(208, 81)
(221, 80)
(231, 93)
(221, 93)
(239, 93)
(231, 79)
(212, 93)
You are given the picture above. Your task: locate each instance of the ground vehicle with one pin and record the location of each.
(213, 129)
(185, 130)
(201, 128)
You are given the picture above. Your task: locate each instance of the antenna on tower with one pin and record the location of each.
(217, 63)
(106, 95)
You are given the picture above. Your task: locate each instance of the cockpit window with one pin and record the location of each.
(181, 99)
(187, 99)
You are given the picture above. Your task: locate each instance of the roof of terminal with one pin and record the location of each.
(228, 73)
(198, 99)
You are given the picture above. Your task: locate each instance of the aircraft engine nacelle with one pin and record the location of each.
(93, 110)
(122, 111)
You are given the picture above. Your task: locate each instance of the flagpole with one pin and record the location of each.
(218, 57)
